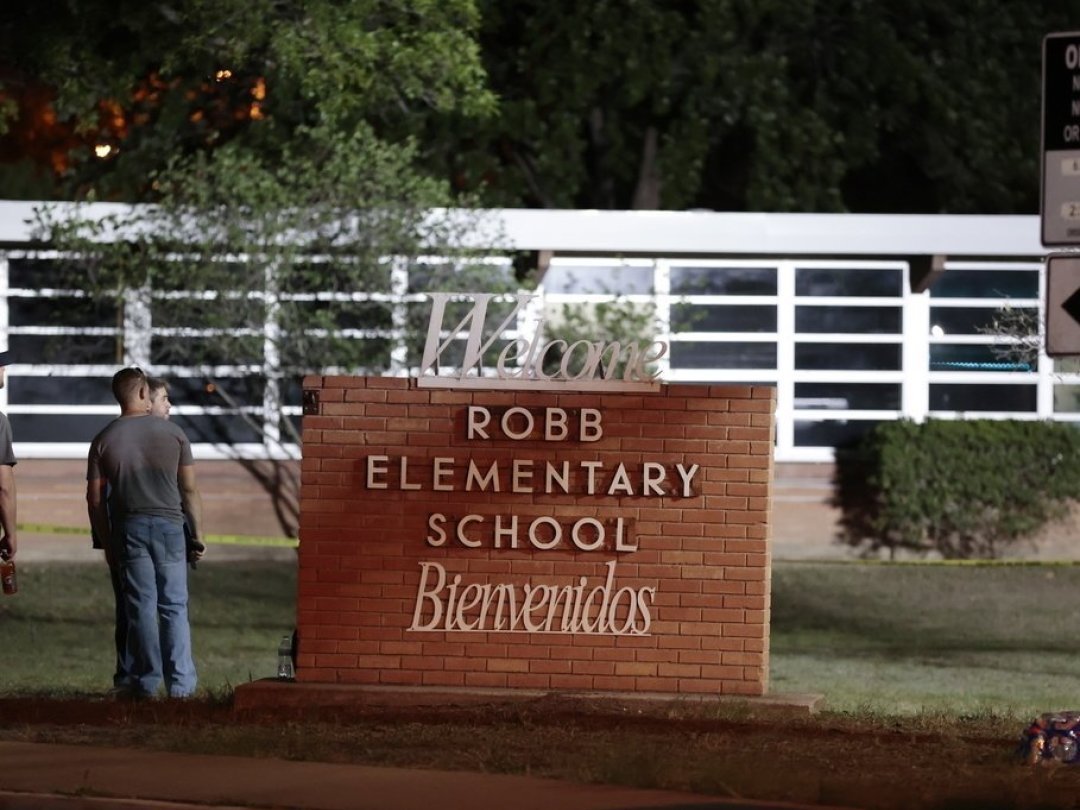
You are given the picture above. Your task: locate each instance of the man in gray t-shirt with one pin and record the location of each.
(145, 464)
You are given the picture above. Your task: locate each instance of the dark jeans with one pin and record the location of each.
(122, 675)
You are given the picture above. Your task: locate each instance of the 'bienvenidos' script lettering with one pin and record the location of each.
(597, 608)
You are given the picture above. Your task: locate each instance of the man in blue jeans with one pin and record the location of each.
(146, 467)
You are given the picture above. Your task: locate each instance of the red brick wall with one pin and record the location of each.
(701, 567)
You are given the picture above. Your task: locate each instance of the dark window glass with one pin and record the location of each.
(211, 274)
(217, 350)
(340, 315)
(63, 349)
(723, 280)
(23, 390)
(958, 397)
(852, 320)
(615, 279)
(986, 284)
(861, 281)
(57, 427)
(364, 276)
(967, 320)
(723, 355)
(955, 357)
(223, 429)
(220, 392)
(370, 354)
(848, 356)
(220, 313)
(297, 424)
(291, 391)
(690, 318)
(848, 396)
(841, 433)
(61, 312)
(32, 274)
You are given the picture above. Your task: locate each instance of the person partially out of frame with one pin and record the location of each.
(9, 539)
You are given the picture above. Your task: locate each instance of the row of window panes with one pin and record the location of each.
(47, 427)
(80, 313)
(808, 319)
(809, 281)
(862, 282)
(626, 279)
(221, 392)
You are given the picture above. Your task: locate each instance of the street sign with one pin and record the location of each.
(1063, 305)
(1061, 140)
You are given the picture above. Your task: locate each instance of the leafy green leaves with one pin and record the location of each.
(960, 489)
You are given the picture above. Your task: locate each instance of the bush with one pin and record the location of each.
(965, 489)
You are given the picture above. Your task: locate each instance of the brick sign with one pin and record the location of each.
(535, 539)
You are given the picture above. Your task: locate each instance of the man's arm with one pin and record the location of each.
(191, 502)
(98, 510)
(9, 543)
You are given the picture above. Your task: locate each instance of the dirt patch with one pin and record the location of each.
(827, 759)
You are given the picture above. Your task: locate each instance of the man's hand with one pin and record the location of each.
(9, 544)
(195, 550)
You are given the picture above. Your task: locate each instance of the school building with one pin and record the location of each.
(854, 319)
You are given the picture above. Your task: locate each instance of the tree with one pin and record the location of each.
(268, 138)
(158, 81)
(773, 105)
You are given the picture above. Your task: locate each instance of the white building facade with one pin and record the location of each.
(855, 319)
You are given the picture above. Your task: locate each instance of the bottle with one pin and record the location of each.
(285, 670)
(7, 575)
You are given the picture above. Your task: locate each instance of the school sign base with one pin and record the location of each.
(270, 693)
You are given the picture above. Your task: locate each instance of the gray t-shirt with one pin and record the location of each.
(140, 457)
(7, 454)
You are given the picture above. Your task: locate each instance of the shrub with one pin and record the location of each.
(964, 489)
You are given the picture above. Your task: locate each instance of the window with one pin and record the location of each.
(966, 357)
(848, 356)
(987, 397)
(686, 318)
(723, 280)
(853, 320)
(969, 320)
(723, 355)
(866, 282)
(986, 284)
(847, 396)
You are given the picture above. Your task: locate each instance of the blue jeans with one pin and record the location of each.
(154, 564)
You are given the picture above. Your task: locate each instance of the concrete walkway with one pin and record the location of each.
(73, 777)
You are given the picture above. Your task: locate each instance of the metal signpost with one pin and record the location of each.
(1060, 199)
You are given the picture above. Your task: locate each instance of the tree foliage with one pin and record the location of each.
(775, 105)
(161, 82)
(270, 139)
(958, 489)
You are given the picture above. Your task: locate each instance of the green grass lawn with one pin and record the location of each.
(887, 639)
(56, 633)
(900, 639)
